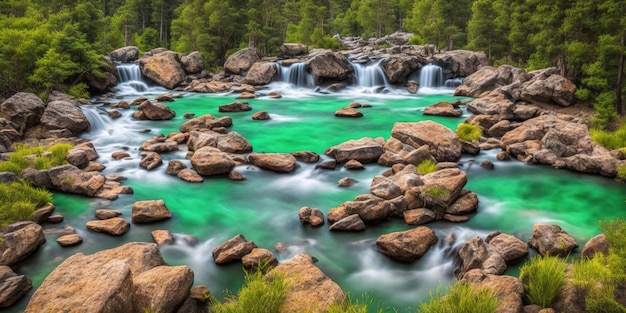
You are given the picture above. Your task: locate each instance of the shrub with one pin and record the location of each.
(543, 278)
(38, 157)
(18, 201)
(621, 172)
(427, 166)
(461, 298)
(259, 294)
(599, 282)
(437, 192)
(614, 140)
(615, 232)
(468, 132)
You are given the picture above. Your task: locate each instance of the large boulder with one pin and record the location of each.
(330, 66)
(62, 116)
(261, 73)
(23, 110)
(349, 223)
(163, 68)
(596, 245)
(510, 247)
(551, 89)
(231, 142)
(8, 135)
(310, 290)
(241, 61)
(552, 240)
(276, 162)
(397, 68)
(488, 78)
(19, 241)
(364, 150)
(192, 63)
(444, 144)
(81, 154)
(153, 111)
(162, 289)
(210, 161)
(476, 254)
(101, 282)
(406, 246)
(12, 286)
(232, 250)
(293, 49)
(125, 54)
(442, 188)
(150, 211)
(68, 178)
(460, 63)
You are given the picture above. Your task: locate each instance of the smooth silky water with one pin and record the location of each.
(264, 208)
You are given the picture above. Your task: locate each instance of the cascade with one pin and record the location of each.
(370, 74)
(453, 82)
(130, 79)
(431, 76)
(296, 75)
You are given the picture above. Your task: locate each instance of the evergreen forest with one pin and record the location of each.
(58, 44)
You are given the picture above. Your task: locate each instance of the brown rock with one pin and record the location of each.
(64, 116)
(364, 150)
(261, 73)
(419, 216)
(236, 176)
(151, 160)
(466, 204)
(349, 223)
(348, 112)
(354, 165)
(190, 176)
(235, 107)
(42, 214)
(105, 214)
(69, 240)
(163, 68)
(476, 254)
(511, 248)
(259, 258)
(306, 156)
(232, 250)
(444, 144)
(12, 286)
(329, 65)
(162, 289)
(209, 161)
(125, 54)
(150, 211)
(595, 245)
(162, 237)
(55, 219)
(507, 289)
(261, 116)
(174, 167)
(22, 110)
(443, 109)
(120, 155)
(276, 162)
(311, 216)
(406, 246)
(20, 240)
(116, 226)
(154, 112)
(551, 240)
(346, 182)
(241, 61)
(455, 218)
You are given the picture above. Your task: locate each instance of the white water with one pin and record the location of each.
(370, 78)
(295, 75)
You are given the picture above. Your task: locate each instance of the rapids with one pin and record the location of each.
(264, 208)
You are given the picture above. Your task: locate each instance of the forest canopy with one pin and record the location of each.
(56, 44)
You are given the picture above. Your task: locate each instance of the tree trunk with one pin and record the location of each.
(619, 107)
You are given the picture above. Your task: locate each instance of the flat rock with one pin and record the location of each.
(162, 237)
(104, 214)
(443, 143)
(406, 246)
(365, 150)
(276, 162)
(235, 107)
(116, 226)
(69, 240)
(348, 112)
(150, 211)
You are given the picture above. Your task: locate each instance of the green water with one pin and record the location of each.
(264, 207)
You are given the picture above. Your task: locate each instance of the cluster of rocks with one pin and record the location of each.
(514, 110)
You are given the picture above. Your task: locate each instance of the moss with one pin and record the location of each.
(468, 132)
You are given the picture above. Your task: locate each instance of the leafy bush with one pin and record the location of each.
(543, 278)
(427, 166)
(615, 232)
(259, 294)
(18, 201)
(461, 298)
(468, 132)
(80, 90)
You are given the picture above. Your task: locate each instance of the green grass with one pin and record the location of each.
(468, 132)
(599, 282)
(426, 167)
(460, 298)
(437, 192)
(259, 294)
(543, 279)
(37, 157)
(621, 172)
(18, 201)
(610, 140)
(351, 306)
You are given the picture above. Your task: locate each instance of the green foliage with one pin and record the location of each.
(437, 192)
(621, 172)
(350, 305)
(427, 166)
(80, 90)
(543, 279)
(460, 298)
(615, 232)
(259, 294)
(610, 140)
(38, 157)
(18, 201)
(599, 282)
(468, 132)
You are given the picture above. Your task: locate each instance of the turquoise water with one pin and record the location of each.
(265, 207)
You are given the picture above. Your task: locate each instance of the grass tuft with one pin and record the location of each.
(468, 132)
(460, 298)
(426, 167)
(18, 202)
(259, 294)
(610, 140)
(543, 279)
(37, 157)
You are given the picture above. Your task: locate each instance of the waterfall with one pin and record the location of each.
(130, 79)
(296, 75)
(431, 76)
(453, 82)
(370, 75)
(98, 120)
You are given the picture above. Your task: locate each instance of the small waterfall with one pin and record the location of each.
(431, 76)
(98, 120)
(370, 75)
(296, 75)
(453, 82)
(130, 79)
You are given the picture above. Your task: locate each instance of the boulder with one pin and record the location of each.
(12, 286)
(442, 188)
(511, 248)
(241, 61)
(235, 107)
(166, 97)
(116, 226)
(81, 154)
(198, 301)
(261, 116)
(247, 95)
(190, 176)
(163, 68)
(444, 144)
(231, 142)
(125, 54)
(8, 136)
(101, 282)
(397, 68)
(293, 49)
(69, 240)
(507, 289)
(160, 147)
(552, 89)
(162, 237)
(204, 122)
(276, 162)
(551, 240)
(209, 161)
(118, 155)
(353, 165)
(261, 73)
(595, 245)
(476, 254)
(348, 112)
(330, 66)
(42, 214)
(162, 289)
(68, 178)
(232, 250)
(465, 204)
(37, 178)
(154, 112)
(497, 105)
(64, 118)
(23, 110)
(349, 223)
(311, 216)
(419, 216)
(443, 109)
(19, 241)
(460, 63)
(150, 211)
(306, 156)
(406, 246)
(259, 259)
(310, 290)
(346, 182)
(192, 63)
(104, 214)
(488, 78)
(150, 161)
(174, 167)
(365, 150)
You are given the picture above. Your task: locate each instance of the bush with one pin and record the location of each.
(259, 294)
(468, 132)
(461, 298)
(437, 192)
(38, 157)
(427, 166)
(599, 282)
(543, 279)
(18, 201)
(615, 140)
(621, 172)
